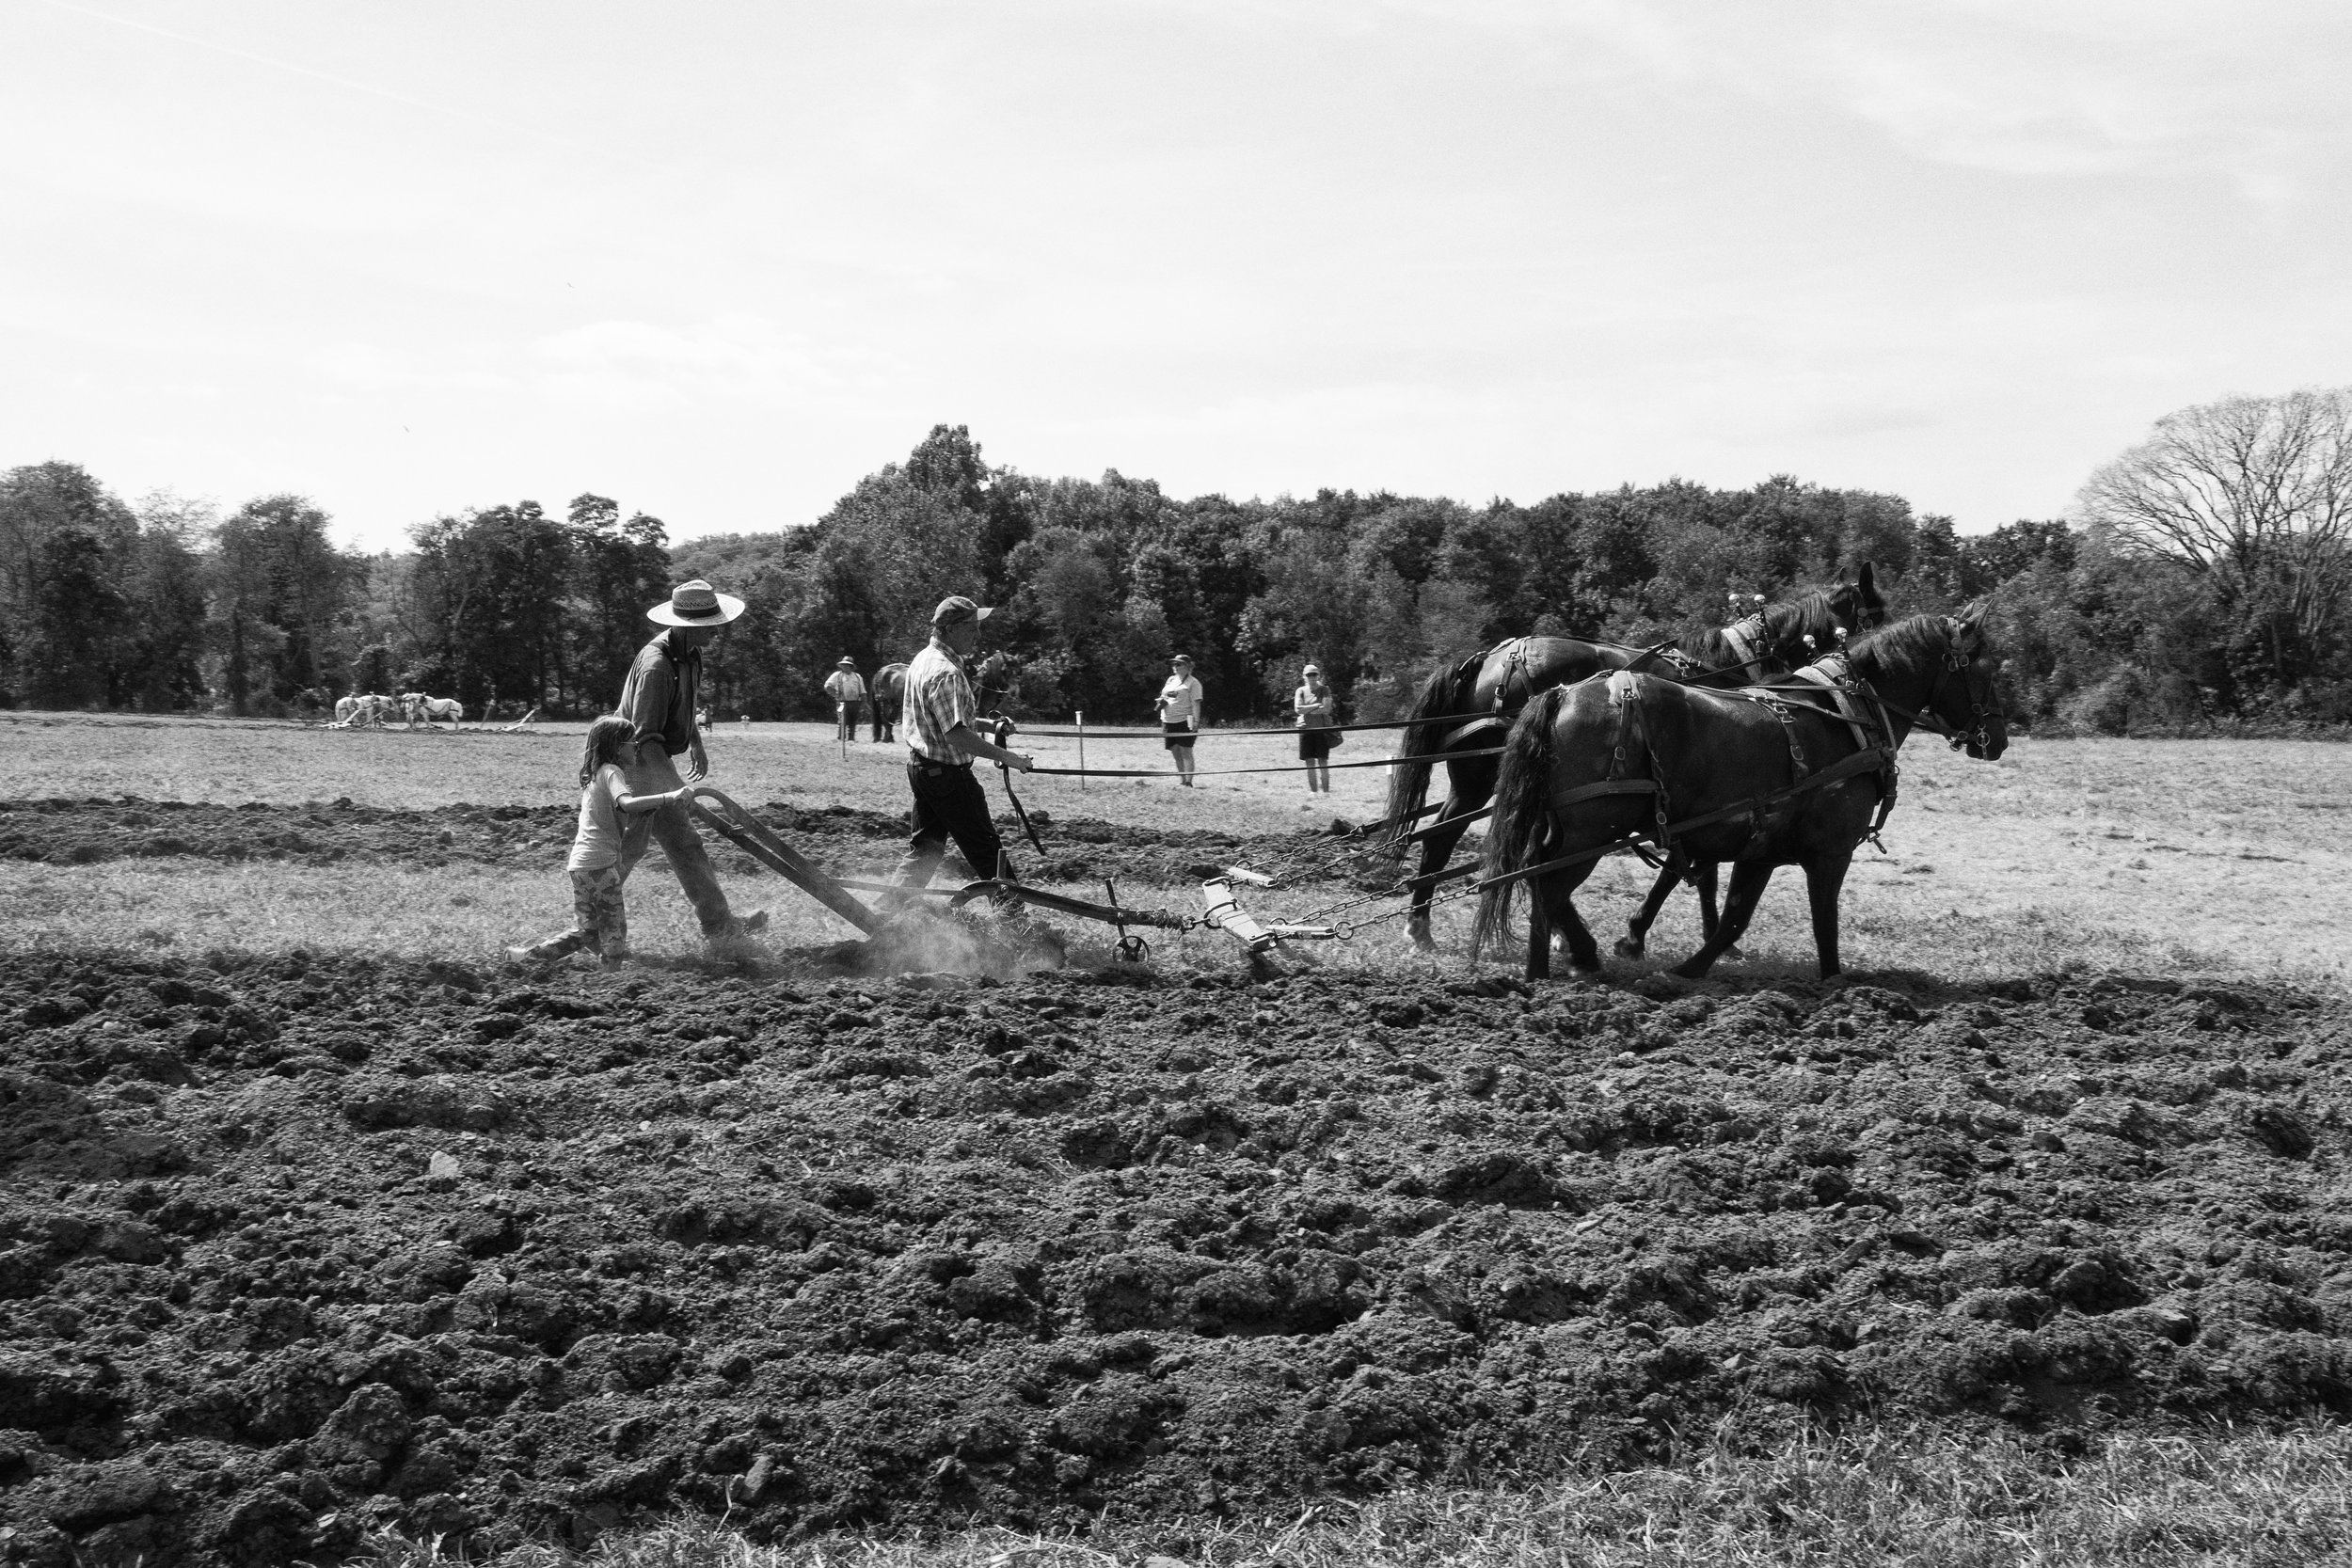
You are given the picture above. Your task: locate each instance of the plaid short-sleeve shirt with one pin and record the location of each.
(938, 698)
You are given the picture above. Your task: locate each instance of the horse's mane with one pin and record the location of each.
(1800, 608)
(1906, 645)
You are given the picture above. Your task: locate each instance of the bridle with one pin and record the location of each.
(1956, 661)
(1799, 646)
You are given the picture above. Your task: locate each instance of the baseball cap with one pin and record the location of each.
(957, 609)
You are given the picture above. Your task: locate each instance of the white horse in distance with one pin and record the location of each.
(370, 708)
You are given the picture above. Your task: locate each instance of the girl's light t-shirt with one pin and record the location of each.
(1179, 701)
(597, 844)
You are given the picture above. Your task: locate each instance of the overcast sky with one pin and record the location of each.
(719, 259)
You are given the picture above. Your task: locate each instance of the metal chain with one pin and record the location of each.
(1404, 889)
(1301, 866)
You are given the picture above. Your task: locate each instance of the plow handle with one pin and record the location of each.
(732, 823)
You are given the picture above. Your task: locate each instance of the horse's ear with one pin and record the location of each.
(1970, 619)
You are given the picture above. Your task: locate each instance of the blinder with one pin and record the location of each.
(1958, 657)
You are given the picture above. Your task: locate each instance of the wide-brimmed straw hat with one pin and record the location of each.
(847, 663)
(696, 604)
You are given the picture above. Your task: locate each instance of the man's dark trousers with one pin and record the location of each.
(949, 803)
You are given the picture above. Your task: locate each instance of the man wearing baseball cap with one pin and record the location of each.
(941, 743)
(661, 697)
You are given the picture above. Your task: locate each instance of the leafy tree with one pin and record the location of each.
(2254, 497)
(76, 614)
(56, 515)
(278, 585)
(157, 666)
(617, 569)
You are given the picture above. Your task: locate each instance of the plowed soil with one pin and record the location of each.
(293, 1251)
(79, 833)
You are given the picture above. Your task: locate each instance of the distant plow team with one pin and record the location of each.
(411, 708)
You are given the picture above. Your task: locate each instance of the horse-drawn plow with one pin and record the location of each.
(1221, 909)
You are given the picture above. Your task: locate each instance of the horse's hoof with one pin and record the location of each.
(1690, 969)
(1733, 956)
(1629, 948)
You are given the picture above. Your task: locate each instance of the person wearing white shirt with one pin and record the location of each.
(1312, 701)
(847, 689)
(1179, 706)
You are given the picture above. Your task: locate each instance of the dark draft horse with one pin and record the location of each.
(1573, 772)
(1496, 685)
(995, 681)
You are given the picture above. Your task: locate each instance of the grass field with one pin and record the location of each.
(2228, 857)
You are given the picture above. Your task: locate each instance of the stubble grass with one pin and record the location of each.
(2248, 1500)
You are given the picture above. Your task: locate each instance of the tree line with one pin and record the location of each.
(168, 606)
(2204, 583)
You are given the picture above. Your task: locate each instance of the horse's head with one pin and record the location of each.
(995, 678)
(1858, 606)
(1966, 695)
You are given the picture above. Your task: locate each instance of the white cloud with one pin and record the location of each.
(625, 363)
(2036, 87)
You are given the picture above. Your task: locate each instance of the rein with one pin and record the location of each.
(1955, 661)
(1004, 733)
(1218, 773)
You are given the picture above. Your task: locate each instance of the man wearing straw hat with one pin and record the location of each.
(847, 689)
(940, 744)
(661, 699)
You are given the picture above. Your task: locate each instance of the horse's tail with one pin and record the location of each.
(1517, 832)
(1441, 695)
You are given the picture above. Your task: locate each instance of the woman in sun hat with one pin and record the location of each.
(1314, 705)
(1179, 705)
(661, 699)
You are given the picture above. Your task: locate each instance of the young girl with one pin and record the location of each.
(595, 859)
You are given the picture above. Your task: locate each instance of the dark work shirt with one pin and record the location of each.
(660, 694)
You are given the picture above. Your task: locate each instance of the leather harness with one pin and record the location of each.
(1745, 635)
(1874, 752)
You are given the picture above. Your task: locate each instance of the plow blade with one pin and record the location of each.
(738, 826)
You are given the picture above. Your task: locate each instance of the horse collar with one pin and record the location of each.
(1744, 635)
